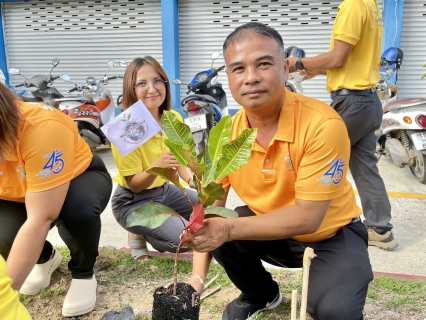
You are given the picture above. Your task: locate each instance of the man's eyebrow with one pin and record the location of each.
(265, 57)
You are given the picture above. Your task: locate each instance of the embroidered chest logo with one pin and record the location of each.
(54, 165)
(334, 174)
(288, 164)
(21, 172)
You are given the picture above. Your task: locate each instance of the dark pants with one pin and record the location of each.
(338, 276)
(363, 116)
(79, 222)
(166, 237)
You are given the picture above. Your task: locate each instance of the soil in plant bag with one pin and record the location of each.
(166, 306)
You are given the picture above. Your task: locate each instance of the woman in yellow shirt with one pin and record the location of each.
(146, 80)
(49, 177)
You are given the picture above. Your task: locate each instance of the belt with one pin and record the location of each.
(354, 220)
(346, 92)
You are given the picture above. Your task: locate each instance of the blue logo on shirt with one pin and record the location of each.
(334, 174)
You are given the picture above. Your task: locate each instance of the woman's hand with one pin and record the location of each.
(166, 160)
(196, 284)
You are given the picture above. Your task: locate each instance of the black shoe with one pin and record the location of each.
(238, 310)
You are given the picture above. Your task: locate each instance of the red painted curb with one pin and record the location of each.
(399, 276)
(188, 256)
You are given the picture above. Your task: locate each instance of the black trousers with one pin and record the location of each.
(79, 222)
(338, 276)
(363, 116)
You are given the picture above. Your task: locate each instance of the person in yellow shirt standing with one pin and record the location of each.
(352, 69)
(295, 190)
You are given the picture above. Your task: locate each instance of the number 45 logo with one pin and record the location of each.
(335, 173)
(55, 163)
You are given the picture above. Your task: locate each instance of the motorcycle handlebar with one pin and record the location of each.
(20, 85)
(55, 77)
(73, 89)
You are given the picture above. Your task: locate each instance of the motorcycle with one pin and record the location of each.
(205, 104)
(402, 134)
(93, 108)
(45, 91)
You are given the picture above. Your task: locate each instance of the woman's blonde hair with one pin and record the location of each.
(129, 81)
(10, 118)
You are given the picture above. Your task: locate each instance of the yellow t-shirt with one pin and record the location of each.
(10, 307)
(50, 152)
(141, 158)
(359, 23)
(307, 159)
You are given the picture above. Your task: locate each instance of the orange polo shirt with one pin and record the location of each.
(50, 152)
(307, 159)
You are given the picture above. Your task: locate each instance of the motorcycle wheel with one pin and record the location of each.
(418, 169)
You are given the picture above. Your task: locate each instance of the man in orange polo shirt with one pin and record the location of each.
(295, 190)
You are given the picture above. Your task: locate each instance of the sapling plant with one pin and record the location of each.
(220, 158)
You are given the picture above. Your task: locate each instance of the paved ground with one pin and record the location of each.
(407, 196)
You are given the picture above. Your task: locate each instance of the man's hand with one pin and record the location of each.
(212, 235)
(292, 64)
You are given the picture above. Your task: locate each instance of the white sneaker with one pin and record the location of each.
(81, 297)
(40, 276)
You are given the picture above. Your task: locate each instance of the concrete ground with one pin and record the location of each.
(407, 197)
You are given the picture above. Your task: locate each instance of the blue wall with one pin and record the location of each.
(171, 60)
(3, 61)
(392, 18)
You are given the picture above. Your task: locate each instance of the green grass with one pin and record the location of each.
(397, 292)
(44, 293)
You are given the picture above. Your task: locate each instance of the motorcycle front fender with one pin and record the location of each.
(198, 136)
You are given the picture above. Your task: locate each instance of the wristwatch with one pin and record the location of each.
(299, 64)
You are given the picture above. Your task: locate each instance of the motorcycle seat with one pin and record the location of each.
(204, 97)
(403, 103)
(76, 98)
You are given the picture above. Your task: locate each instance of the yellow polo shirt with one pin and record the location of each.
(141, 158)
(359, 23)
(50, 152)
(307, 159)
(10, 307)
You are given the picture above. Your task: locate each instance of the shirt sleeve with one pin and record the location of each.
(48, 153)
(322, 171)
(130, 164)
(349, 21)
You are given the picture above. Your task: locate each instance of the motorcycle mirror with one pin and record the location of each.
(111, 64)
(123, 63)
(215, 55)
(90, 81)
(55, 62)
(66, 77)
(14, 71)
(177, 82)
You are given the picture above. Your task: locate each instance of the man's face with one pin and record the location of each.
(256, 71)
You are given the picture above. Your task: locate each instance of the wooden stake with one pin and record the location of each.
(214, 290)
(307, 257)
(294, 305)
(208, 284)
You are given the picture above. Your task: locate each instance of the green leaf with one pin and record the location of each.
(150, 215)
(129, 116)
(219, 137)
(169, 174)
(211, 212)
(197, 168)
(177, 151)
(176, 131)
(236, 154)
(210, 194)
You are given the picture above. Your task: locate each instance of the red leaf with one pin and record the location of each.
(195, 223)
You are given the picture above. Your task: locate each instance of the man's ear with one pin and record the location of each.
(286, 69)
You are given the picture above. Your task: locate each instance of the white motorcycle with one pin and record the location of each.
(402, 134)
(94, 108)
